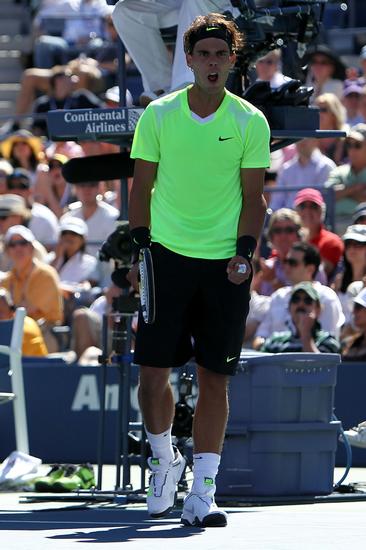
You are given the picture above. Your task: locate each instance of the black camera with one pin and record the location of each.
(183, 418)
(117, 246)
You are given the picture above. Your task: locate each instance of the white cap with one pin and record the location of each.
(19, 230)
(355, 232)
(361, 298)
(76, 225)
(113, 95)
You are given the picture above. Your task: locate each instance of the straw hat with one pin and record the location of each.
(21, 136)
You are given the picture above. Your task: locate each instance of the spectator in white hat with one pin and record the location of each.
(14, 211)
(354, 347)
(78, 271)
(352, 92)
(354, 265)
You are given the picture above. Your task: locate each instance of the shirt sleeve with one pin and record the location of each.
(146, 145)
(256, 144)
(334, 178)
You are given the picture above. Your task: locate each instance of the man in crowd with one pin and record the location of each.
(309, 167)
(304, 332)
(301, 264)
(311, 207)
(349, 179)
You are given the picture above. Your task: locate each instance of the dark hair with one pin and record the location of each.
(33, 159)
(347, 276)
(311, 254)
(213, 20)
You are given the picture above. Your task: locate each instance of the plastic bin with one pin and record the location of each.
(278, 460)
(284, 387)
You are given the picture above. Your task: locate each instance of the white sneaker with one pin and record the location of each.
(202, 511)
(163, 484)
(356, 436)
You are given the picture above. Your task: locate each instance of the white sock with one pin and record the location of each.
(161, 445)
(205, 468)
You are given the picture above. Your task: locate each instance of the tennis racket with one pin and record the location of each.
(147, 285)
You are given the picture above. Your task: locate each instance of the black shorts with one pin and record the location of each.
(199, 313)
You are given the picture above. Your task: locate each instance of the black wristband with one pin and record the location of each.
(245, 246)
(140, 238)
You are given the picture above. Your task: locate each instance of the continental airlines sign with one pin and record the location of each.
(92, 124)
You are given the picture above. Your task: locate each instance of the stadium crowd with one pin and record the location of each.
(308, 289)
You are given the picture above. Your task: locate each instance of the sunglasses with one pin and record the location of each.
(291, 262)
(354, 145)
(305, 299)
(357, 306)
(308, 204)
(20, 186)
(289, 230)
(20, 242)
(356, 244)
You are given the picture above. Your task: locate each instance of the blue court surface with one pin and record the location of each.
(63, 525)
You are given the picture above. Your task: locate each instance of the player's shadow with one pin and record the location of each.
(159, 530)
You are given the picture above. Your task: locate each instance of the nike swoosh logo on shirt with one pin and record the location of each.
(225, 139)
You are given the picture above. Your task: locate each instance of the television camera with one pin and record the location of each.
(271, 24)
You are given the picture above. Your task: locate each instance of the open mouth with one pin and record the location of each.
(213, 77)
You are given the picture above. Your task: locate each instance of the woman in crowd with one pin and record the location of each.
(284, 229)
(326, 71)
(332, 116)
(23, 150)
(354, 265)
(76, 269)
(354, 347)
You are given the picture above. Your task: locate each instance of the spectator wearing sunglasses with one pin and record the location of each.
(308, 167)
(349, 180)
(284, 229)
(304, 333)
(301, 265)
(310, 205)
(33, 284)
(43, 222)
(14, 211)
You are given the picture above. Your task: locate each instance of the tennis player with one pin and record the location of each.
(197, 201)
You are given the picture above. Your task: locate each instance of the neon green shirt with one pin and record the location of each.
(197, 196)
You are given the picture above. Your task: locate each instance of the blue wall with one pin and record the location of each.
(63, 408)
